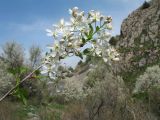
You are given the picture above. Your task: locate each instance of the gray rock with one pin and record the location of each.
(141, 32)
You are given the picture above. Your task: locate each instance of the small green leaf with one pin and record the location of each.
(23, 70)
(37, 72)
(97, 28)
(89, 37)
(91, 29)
(83, 40)
(86, 34)
(87, 51)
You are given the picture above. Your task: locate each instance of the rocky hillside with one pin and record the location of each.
(142, 24)
(139, 41)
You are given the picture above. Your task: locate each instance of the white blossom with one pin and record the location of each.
(71, 39)
(94, 15)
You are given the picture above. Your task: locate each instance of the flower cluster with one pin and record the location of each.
(84, 34)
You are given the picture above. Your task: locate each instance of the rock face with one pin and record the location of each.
(143, 23)
(139, 41)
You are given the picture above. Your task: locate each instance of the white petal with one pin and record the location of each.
(116, 59)
(62, 22)
(44, 71)
(52, 75)
(105, 59)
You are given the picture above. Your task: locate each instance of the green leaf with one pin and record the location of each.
(91, 29)
(83, 40)
(90, 32)
(17, 81)
(24, 100)
(86, 34)
(89, 37)
(21, 94)
(37, 72)
(87, 51)
(97, 28)
(23, 70)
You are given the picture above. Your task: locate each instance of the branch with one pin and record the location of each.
(24, 79)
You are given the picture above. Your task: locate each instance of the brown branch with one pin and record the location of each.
(24, 79)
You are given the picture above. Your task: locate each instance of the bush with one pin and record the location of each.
(149, 80)
(106, 99)
(147, 87)
(96, 74)
(13, 53)
(72, 90)
(35, 56)
(6, 79)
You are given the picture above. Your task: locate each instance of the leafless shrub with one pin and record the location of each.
(35, 55)
(13, 53)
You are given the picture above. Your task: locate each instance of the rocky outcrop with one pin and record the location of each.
(139, 41)
(143, 23)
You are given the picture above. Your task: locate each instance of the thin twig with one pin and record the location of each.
(24, 79)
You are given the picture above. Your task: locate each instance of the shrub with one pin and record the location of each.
(35, 55)
(96, 74)
(72, 90)
(106, 98)
(6, 79)
(149, 80)
(13, 53)
(147, 87)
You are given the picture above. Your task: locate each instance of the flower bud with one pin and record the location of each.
(108, 19)
(62, 41)
(70, 44)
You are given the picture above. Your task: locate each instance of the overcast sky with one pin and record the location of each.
(25, 21)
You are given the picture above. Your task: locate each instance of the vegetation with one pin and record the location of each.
(99, 88)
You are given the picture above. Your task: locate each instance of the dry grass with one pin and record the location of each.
(75, 112)
(8, 111)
